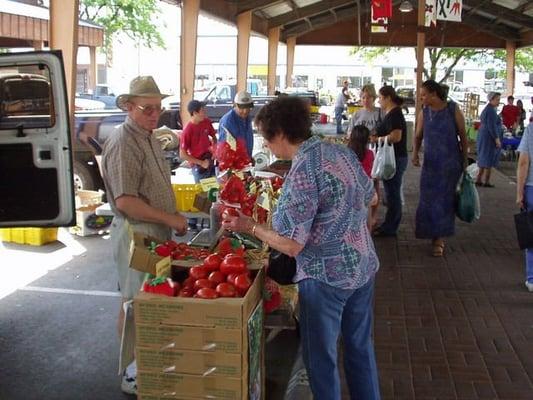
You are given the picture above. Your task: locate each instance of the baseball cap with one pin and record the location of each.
(195, 106)
(243, 99)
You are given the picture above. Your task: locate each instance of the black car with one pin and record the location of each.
(408, 94)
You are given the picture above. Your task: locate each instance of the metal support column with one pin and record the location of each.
(244, 26)
(291, 46)
(64, 37)
(510, 47)
(189, 29)
(273, 40)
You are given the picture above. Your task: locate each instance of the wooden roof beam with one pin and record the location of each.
(488, 26)
(306, 12)
(503, 13)
(252, 5)
(301, 29)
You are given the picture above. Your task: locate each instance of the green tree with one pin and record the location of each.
(448, 58)
(132, 17)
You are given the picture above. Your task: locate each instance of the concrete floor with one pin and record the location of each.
(58, 337)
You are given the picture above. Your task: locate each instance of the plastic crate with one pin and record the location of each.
(185, 194)
(31, 236)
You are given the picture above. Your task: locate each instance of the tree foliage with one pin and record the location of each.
(446, 59)
(132, 17)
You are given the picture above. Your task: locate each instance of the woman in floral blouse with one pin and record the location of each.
(321, 220)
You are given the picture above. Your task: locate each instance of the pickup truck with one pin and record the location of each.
(219, 99)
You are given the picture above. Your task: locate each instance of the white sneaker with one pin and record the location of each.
(129, 384)
(529, 286)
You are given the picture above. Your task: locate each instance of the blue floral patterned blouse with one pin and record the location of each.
(323, 206)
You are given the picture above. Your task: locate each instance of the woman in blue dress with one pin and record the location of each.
(489, 140)
(445, 157)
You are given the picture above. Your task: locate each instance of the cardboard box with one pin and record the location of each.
(189, 362)
(229, 313)
(173, 386)
(88, 223)
(142, 259)
(202, 203)
(189, 338)
(250, 386)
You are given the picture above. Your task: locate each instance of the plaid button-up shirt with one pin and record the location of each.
(134, 164)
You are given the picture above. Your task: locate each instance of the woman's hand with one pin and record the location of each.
(242, 223)
(520, 200)
(498, 143)
(416, 160)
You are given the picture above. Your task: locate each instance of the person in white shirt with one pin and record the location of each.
(343, 96)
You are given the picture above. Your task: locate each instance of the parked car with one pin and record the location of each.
(408, 94)
(104, 94)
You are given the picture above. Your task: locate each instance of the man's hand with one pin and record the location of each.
(205, 164)
(179, 223)
(498, 143)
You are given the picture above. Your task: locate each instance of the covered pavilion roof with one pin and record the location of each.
(485, 23)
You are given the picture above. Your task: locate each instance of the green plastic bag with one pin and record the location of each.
(468, 207)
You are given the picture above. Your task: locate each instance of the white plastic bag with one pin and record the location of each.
(385, 162)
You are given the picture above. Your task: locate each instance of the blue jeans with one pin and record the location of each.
(338, 119)
(326, 312)
(529, 252)
(393, 196)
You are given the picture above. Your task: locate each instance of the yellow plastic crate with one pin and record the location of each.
(314, 109)
(185, 194)
(352, 109)
(31, 236)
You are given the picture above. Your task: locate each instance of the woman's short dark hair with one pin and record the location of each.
(287, 114)
(388, 91)
(433, 87)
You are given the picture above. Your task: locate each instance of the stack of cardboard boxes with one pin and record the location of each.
(189, 348)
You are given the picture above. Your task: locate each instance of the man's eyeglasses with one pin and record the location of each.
(149, 110)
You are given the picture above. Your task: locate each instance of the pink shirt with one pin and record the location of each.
(368, 161)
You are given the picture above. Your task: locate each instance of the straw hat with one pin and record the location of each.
(142, 86)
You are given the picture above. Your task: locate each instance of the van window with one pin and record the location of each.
(26, 97)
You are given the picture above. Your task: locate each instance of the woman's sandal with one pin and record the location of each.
(438, 250)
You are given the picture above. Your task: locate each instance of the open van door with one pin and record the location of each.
(36, 183)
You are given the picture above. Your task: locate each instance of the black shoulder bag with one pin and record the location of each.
(281, 268)
(524, 228)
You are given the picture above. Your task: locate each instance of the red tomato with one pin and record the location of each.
(216, 277)
(186, 292)
(162, 250)
(226, 290)
(198, 273)
(231, 278)
(172, 245)
(188, 283)
(212, 262)
(233, 263)
(206, 293)
(177, 255)
(243, 283)
(203, 283)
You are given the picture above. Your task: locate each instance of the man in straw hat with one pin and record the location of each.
(137, 181)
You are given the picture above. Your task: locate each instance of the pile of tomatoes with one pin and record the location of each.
(179, 251)
(218, 277)
(232, 159)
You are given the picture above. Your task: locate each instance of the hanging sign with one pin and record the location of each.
(382, 8)
(449, 10)
(378, 24)
(431, 13)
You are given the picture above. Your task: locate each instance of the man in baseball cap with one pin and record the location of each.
(238, 121)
